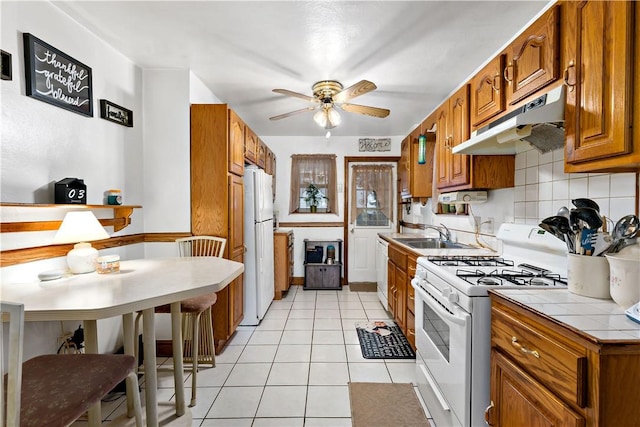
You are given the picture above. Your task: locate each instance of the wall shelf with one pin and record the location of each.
(121, 217)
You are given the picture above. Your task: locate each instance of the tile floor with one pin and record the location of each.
(292, 369)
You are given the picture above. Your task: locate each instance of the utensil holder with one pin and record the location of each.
(588, 276)
(625, 279)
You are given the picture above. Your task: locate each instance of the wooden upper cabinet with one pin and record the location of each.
(268, 167)
(533, 58)
(250, 145)
(416, 179)
(452, 128)
(598, 73)
(403, 166)
(236, 143)
(487, 92)
(262, 154)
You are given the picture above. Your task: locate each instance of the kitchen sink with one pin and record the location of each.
(430, 243)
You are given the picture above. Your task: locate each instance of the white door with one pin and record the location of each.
(371, 199)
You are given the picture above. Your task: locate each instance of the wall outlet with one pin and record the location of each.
(487, 225)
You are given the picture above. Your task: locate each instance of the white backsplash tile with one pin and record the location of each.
(532, 158)
(532, 175)
(520, 177)
(560, 189)
(545, 172)
(578, 188)
(598, 186)
(545, 190)
(623, 185)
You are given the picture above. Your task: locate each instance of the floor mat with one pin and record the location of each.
(383, 340)
(384, 405)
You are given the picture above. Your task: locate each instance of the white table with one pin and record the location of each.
(140, 285)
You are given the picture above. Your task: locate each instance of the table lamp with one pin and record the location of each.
(80, 227)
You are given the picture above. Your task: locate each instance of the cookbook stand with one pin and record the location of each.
(318, 273)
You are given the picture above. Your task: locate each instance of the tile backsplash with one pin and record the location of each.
(542, 187)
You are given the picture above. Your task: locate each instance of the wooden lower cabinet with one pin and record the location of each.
(228, 311)
(283, 261)
(546, 373)
(397, 286)
(523, 401)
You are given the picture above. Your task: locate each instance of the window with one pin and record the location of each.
(371, 195)
(313, 184)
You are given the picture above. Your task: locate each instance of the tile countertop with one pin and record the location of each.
(471, 250)
(598, 319)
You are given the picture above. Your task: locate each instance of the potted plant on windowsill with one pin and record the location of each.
(313, 196)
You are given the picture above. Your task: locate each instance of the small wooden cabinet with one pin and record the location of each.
(546, 373)
(533, 58)
(459, 171)
(236, 144)
(321, 275)
(452, 128)
(261, 157)
(250, 146)
(416, 180)
(283, 262)
(599, 68)
(487, 92)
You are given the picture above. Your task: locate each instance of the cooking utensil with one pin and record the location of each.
(585, 203)
(559, 226)
(589, 216)
(564, 211)
(627, 227)
(600, 242)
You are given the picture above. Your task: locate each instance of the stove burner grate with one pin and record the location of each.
(510, 277)
(469, 260)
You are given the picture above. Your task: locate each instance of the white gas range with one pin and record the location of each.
(453, 315)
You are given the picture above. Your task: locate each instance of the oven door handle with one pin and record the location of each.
(437, 307)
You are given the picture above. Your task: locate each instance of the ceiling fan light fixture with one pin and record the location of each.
(321, 118)
(334, 117)
(328, 117)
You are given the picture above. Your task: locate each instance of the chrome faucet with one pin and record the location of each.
(444, 234)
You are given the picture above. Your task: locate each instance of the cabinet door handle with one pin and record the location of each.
(487, 413)
(523, 349)
(493, 82)
(506, 73)
(565, 76)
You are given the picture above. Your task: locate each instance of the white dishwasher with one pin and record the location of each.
(382, 247)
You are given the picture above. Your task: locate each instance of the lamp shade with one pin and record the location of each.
(327, 117)
(80, 226)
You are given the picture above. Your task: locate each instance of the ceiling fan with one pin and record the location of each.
(328, 97)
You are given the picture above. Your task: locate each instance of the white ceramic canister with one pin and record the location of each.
(625, 277)
(588, 276)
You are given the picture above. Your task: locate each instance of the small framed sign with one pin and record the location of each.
(115, 113)
(371, 144)
(56, 78)
(5, 69)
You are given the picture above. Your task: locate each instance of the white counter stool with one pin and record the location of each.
(56, 389)
(197, 319)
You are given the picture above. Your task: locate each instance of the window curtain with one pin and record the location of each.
(369, 178)
(317, 169)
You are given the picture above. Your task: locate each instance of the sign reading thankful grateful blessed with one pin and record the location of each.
(371, 144)
(54, 77)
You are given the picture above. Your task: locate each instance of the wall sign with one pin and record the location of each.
(115, 113)
(56, 78)
(371, 144)
(6, 68)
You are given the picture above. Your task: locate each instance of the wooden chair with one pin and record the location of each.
(55, 390)
(197, 319)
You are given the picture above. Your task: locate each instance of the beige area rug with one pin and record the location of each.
(384, 405)
(363, 287)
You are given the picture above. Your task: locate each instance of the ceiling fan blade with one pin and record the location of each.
(364, 109)
(292, 113)
(360, 88)
(296, 95)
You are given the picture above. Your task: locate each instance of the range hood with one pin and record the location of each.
(539, 123)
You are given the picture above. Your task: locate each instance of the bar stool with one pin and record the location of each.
(197, 319)
(56, 389)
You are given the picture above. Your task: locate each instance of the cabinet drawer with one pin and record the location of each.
(399, 258)
(560, 367)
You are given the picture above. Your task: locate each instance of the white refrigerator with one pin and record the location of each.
(258, 236)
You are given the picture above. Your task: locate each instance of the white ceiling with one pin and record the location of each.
(416, 52)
